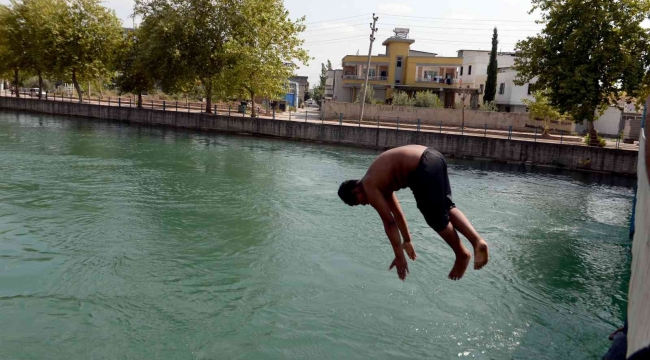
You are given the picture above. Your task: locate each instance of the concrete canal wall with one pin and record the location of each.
(615, 161)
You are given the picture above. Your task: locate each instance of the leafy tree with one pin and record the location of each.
(87, 39)
(542, 109)
(427, 99)
(318, 93)
(13, 41)
(329, 65)
(401, 98)
(264, 46)
(39, 25)
(589, 54)
(489, 106)
(135, 66)
(370, 95)
(491, 83)
(323, 73)
(193, 40)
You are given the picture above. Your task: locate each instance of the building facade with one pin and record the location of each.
(334, 90)
(303, 84)
(473, 72)
(401, 68)
(509, 97)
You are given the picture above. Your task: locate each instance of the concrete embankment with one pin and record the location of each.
(615, 161)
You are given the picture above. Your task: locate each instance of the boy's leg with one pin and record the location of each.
(460, 222)
(463, 255)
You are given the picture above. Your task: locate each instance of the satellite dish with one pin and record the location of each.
(402, 33)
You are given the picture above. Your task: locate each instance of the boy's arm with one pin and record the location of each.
(396, 209)
(377, 200)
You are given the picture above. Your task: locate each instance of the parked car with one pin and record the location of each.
(33, 92)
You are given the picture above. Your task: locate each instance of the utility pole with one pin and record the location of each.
(373, 29)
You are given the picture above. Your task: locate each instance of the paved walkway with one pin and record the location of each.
(312, 115)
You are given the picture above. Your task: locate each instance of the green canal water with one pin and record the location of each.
(126, 242)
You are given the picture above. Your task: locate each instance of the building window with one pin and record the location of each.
(502, 89)
(397, 82)
(383, 74)
(430, 74)
(531, 89)
(469, 70)
(461, 71)
(399, 61)
(371, 73)
(482, 88)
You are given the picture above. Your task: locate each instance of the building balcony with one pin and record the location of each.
(438, 80)
(363, 77)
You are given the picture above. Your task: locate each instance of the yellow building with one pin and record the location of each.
(401, 68)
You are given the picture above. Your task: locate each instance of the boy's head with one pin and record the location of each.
(351, 192)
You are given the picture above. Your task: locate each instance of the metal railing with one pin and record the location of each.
(438, 80)
(363, 77)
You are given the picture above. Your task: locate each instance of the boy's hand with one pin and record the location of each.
(401, 265)
(410, 251)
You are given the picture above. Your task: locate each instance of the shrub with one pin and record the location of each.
(401, 98)
(459, 105)
(427, 99)
(370, 95)
(489, 106)
(601, 140)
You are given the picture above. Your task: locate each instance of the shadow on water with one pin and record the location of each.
(523, 169)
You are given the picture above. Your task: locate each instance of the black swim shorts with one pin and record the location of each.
(430, 185)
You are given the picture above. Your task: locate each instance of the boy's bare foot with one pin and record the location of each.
(460, 265)
(481, 254)
(410, 251)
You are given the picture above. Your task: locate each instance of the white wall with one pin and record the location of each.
(513, 93)
(609, 122)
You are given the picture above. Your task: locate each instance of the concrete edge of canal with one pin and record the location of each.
(566, 156)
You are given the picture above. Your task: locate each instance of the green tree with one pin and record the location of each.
(589, 54)
(329, 65)
(40, 25)
(135, 64)
(427, 99)
(88, 38)
(491, 83)
(263, 48)
(194, 41)
(13, 41)
(370, 95)
(401, 98)
(542, 109)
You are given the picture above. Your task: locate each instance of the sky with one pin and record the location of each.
(336, 28)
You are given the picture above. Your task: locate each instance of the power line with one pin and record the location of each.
(343, 18)
(454, 19)
(327, 40)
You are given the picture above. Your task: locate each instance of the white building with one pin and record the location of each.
(334, 87)
(509, 97)
(473, 73)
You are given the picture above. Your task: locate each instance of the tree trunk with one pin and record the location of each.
(140, 100)
(208, 97)
(76, 86)
(593, 134)
(40, 84)
(252, 103)
(16, 83)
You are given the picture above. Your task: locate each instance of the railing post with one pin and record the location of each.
(535, 134)
(341, 119)
(129, 101)
(561, 136)
(109, 101)
(398, 123)
(188, 107)
(306, 115)
(440, 128)
(510, 132)
(274, 114)
(215, 109)
(176, 105)
(377, 121)
(419, 124)
(462, 130)
(46, 95)
(151, 104)
(243, 113)
(485, 131)
(289, 113)
(164, 105)
(228, 109)
(119, 102)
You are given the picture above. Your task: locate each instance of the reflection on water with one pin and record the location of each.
(136, 242)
